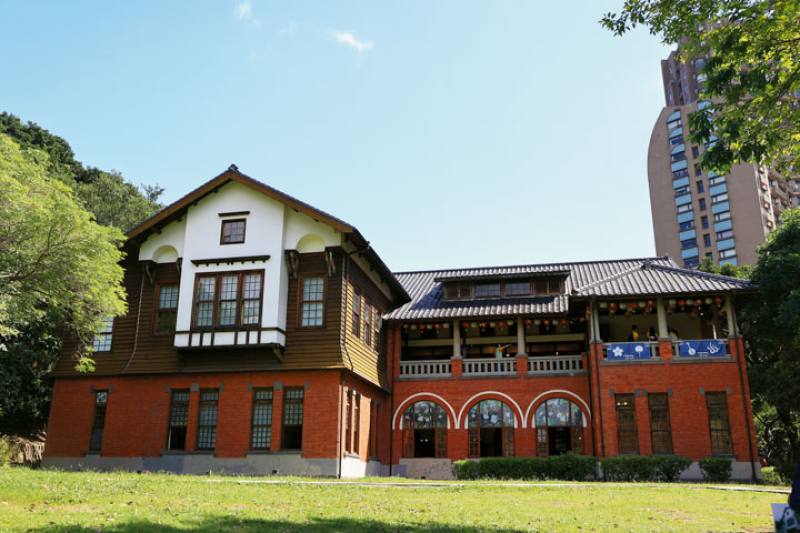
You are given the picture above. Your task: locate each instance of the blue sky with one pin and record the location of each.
(451, 133)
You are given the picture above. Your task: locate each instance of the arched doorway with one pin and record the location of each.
(559, 427)
(491, 429)
(424, 430)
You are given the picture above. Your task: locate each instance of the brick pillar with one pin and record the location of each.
(277, 415)
(457, 444)
(522, 365)
(456, 364)
(596, 356)
(665, 349)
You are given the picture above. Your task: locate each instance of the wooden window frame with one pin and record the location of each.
(157, 309)
(226, 221)
(239, 300)
(486, 283)
(409, 437)
(356, 447)
(200, 426)
(300, 301)
(286, 403)
(99, 420)
(104, 333)
(668, 421)
(724, 395)
(635, 430)
(348, 421)
(463, 291)
(506, 283)
(172, 404)
(355, 326)
(507, 444)
(268, 424)
(367, 326)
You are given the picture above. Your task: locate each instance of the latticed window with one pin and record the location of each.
(627, 435)
(367, 324)
(425, 430)
(167, 312)
(559, 427)
(227, 300)
(207, 419)
(660, 428)
(376, 329)
(293, 419)
(312, 307)
(356, 312)
(261, 432)
(102, 339)
(233, 231)
(491, 429)
(348, 420)
(718, 423)
(178, 419)
(99, 422)
(356, 423)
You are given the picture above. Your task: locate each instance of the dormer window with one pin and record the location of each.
(457, 291)
(487, 289)
(518, 288)
(233, 231)
(548, 286)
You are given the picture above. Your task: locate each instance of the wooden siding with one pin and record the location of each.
(359, 357)
(314, 347)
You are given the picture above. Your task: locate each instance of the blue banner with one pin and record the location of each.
(628, 351)
(703, 348)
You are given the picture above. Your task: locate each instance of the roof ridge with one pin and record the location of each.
(555, 263)
(612, 277)
(699, 273)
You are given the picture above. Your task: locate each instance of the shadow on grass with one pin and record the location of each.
(314, 525)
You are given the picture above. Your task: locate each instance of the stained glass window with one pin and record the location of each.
(425, 430)
(491, 429)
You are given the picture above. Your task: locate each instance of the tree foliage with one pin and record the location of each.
(771, 325)
(752, 72)
(107, 195)
(54, 259)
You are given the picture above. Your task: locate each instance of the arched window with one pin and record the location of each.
(491, 429)
(559, 427)
(425, 430)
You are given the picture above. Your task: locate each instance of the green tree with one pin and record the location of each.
(752, 49)
(112, 200)
(771, 324)
(54, 259)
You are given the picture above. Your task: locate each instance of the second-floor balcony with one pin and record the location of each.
(548, 365)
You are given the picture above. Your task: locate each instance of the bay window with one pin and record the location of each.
(227, 300)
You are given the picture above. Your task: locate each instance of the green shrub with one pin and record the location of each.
(716, 469)
(644, 467)
(567, 467)
(771, 476)
(5, 451)
(669, 467)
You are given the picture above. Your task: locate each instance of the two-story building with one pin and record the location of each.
(266, 336)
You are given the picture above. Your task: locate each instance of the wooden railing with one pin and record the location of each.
(425, 369)
(555, 364)
(489, 366)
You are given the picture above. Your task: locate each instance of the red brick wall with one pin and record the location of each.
(138, 412)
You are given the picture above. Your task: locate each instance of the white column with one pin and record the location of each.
(731, 315)
(663, 330)
(520, 337)
(456, 339)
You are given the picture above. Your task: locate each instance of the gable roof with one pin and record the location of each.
(611, 278)
(179, 207)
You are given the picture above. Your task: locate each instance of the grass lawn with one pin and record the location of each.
(49, 501)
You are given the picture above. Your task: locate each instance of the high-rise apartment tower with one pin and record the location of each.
(696, 213)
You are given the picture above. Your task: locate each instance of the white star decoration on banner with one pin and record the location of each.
(617, 351)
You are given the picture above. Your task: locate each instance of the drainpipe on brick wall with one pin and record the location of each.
(596, 341)
(589, 369)
(739, 357)
(136, 330)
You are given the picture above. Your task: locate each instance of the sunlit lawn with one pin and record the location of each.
(48, 501)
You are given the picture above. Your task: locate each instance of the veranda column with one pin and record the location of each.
(665, 348)
(456, 339)
(731, 315)
(520, 337)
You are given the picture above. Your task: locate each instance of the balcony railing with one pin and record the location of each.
(425, 369)
(555, 364)
(631, 351)
(700, 349)
(489, 367)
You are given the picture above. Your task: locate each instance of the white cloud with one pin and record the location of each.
(347, 38)
(244, 12)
